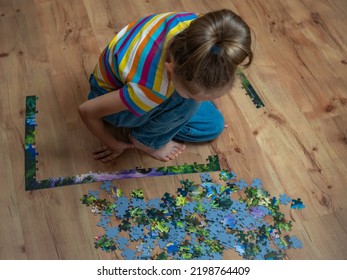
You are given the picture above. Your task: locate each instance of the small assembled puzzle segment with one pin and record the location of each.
(30, 143)
(250, 91)
(200, 221)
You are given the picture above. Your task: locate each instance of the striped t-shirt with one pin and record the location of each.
(134, 61)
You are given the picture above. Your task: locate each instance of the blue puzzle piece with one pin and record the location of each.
(241, 184)
(177, 235)
(189, 207)
(216, 256)
(226, 175)
(172, 248)
(240, 249)
(136, 232)
(296, 243)
(154, 203)
(122, 242)
(230, 221)
(257, 183)
(94, 193)
(205, 177)
(106, 186)
(248, 222)
(204, 257)
(223, 238)
(285, 199)
(259, 211)
(140, 203)
(104, 221)
(146, 254)
(149, 244)
(162, 243)
(129, 254)
(122, 207)
(112, 232)
(297, 204)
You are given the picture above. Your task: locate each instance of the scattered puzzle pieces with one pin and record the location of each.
(200, 221)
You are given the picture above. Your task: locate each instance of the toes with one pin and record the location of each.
(180, 146)
(165, 159)
(172, 155)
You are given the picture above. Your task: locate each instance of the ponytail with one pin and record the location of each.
(208, 52)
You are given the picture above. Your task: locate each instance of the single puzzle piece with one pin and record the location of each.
(88, 199)
(106, 186)
(125, 225)
(257, 183)
(122, 242)
(241, 184)
(154, 203)
(297, 204)
(146, 254)
(181, 201)
(230, 221)
(129, 254)
(104, 222)
(162, 243)
(205, 177)
(136, 232)
(105, 243)
(94, 193)
(240, 249)
(295, 242)
(112, 232)
(172, 248)
(122, 207)
(285, 199)
(259, 212)
(226, 175)
(189, 208)
(140, 203)
(138, 193)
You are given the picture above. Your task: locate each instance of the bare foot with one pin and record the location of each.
(166, 153)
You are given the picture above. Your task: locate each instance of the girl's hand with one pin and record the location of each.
(106, 153)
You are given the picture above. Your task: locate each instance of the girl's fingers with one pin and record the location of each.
(100, 149)
(102, 155)
(109, 158)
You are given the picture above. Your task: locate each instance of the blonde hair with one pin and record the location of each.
(208, 52)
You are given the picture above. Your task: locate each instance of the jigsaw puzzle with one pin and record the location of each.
(200, 221)
(31, 183)
(250, 91)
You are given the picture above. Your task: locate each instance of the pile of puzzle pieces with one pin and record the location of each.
(201, 221)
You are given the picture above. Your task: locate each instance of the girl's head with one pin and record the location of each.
(203, 58)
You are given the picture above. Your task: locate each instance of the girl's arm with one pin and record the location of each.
(92, 112)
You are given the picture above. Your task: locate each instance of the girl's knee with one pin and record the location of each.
(218, 126)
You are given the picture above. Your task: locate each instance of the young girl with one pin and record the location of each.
(158, 77)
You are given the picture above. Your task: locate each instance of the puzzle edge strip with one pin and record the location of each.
(31, 163)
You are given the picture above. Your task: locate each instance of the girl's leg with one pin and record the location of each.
(205, 125)
(155, 136)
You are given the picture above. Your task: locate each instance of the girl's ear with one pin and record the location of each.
(169, 67)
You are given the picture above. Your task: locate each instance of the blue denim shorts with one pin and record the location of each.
(176, 118)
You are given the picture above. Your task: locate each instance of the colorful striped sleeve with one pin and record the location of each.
(134, 60)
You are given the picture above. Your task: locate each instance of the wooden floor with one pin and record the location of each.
(297, 144)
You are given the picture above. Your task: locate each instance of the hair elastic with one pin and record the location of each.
(216, 49)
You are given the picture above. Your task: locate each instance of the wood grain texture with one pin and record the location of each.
(297, 144)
